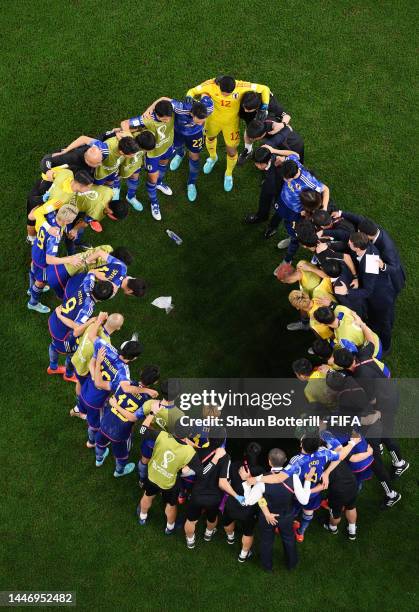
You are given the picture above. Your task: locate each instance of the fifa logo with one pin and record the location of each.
(168, 457)
(161, 131)
(91, 195)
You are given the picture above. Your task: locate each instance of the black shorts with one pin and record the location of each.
(341, 500)
(195, 509)
(169, 496)
(246, 516)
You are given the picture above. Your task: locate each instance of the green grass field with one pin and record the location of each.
(345, 71)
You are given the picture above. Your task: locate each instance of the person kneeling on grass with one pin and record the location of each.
(171, 453)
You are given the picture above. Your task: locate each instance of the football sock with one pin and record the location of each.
(91, 434)
(35, 294)
(243, 553)
(69, 369)
(120, 465)
(248, 147)
(53, 357)
(352, 528)
(99, 452)
(152, 192)
(117, 183)
(193, 171)
(142, 470)
(332, 527)
(305, 522)
(143, 516)
(180, 151)
(211, 147)
(230, 536)
(395, 459)
(162, 172)
(231, 162)
(170, 525)
(190, 539)
(132, 184)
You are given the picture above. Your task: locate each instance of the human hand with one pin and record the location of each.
(355, 283)
(240, 499)
(271, 518)
(336, 214)
(75, 260)
(54, 231)
(220, 452)
(243, 473)
(341, 289)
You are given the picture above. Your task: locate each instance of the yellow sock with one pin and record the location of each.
(211, 147)
(231, 162)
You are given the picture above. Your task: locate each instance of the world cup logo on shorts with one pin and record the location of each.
(167, 458)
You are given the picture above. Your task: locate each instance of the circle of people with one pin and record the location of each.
(346, 297)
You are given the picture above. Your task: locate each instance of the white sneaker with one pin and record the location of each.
(284, 244)
(164, 188)
(155, 212)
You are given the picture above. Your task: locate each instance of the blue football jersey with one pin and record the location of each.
(77, 306)
(291, 189)
(184, 123)
(116, 426)
(301, 464)
(114, 270)
(46, 244)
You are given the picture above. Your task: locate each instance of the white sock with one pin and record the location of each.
(243, 552)
(332, 527)
(190, 540)
(248, 147)
(170, 525)
(32, 238)
(143, 516)
(209, 531)
(230, 536)
(398, 464)
(352, 528)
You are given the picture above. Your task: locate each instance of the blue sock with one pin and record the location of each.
(193, 171)
(31, 279)
(99, 451)
(91, 434)
(152, 192)
(142, 470)
(117, 183)
(132, 184)
(69, 369)
(35, 294)
(180, 152)
(305, 522)
(53, 357)
(162, 172)
(120, 465)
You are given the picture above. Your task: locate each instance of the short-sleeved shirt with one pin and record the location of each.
(184, 123)
(292, 188)
(46, 244)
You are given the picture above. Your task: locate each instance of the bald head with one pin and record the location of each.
(93, 157)
(114, 322)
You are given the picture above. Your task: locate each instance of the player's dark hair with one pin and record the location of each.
(102, 290)
(321, 218)
(137, 286)
(124, 255)
(306, 233)
(324, 315)
(367, 226)
(170, 389)
(359, 240)
(262, 155)
(335, 380)
(251, 101)
(119, 209)
(149, 375)
(83, 177)
(146, 140)
(256, 129)
(252, 453)
(343, 358)
(302, 366)
(332, 267)
(310, 200)
(199, 110)
(163, 109)
(226, 83)
(322, 348)
(131, 350)
(277, 457)
(310, 444)
(289, 169)
(128, 145)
